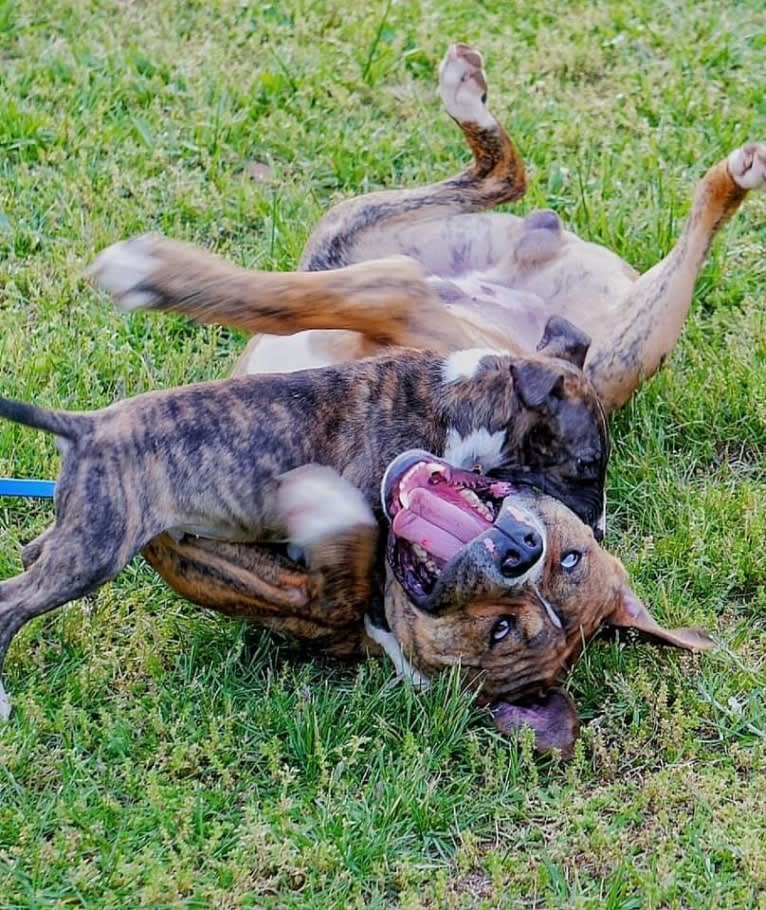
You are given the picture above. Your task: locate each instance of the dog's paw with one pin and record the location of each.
(463, 86)
(5, 704)
(315, 503)
(747, 166)
(124, 269)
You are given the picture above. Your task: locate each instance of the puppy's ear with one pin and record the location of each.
(552, 717)
(535, 381)
(632, 614)
(564, 340)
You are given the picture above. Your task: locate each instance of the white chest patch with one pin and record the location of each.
(479, 447)
(387, 641)
(464, 364)
(601, 523)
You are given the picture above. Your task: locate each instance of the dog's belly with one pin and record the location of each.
(490, 264)
(490, 302)
(302, 351)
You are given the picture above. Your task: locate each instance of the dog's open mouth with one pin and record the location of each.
(434, 511)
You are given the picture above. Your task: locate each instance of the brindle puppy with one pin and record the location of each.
(211, 460)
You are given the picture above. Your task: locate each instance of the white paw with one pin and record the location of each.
(316, 502)
(5, 704)
(747, 166)
(463, 87)
(123, 267)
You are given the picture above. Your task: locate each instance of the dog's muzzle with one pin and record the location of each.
(452, 528)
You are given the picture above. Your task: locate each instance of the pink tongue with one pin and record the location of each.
(440, 527)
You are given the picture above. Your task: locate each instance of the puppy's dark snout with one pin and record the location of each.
(523, 549)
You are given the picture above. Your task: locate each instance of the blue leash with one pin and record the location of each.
(33, 489)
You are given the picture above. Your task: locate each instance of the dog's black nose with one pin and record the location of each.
(523, 548)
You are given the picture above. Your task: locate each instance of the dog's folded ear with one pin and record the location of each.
(535, 381)
(564, 340)
(632, 614)
(552, 717)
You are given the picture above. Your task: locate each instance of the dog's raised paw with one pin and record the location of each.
(747, 166)
(463, 86)
(5, 704)
(124, 268)
(315, 502)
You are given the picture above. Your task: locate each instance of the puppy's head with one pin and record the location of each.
(505, 583)
(553, 427)
(565, 449)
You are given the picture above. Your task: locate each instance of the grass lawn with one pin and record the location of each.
(162, 757)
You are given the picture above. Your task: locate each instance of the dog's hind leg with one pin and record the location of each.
(645, 328)
(61, 572)
(368, 227)
(388, 301)
(31, 551)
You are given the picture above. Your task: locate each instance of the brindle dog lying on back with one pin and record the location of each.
(259, 459)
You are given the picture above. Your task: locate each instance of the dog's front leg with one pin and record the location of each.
(332, 524)
(645, 328)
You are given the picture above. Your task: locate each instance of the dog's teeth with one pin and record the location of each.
(475, 503)
(471, 498)
(420, 552)
(432, 567)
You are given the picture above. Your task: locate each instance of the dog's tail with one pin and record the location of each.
(65, 424)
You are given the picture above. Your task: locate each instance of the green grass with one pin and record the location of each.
(162, 757)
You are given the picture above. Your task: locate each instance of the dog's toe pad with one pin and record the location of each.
(5, 704)
(123, 268)
(463, 86)
(747, 166)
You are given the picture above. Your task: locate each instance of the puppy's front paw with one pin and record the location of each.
(316, 503)
(747, 166)
(5, 704)
(463, 86)
(124, 270)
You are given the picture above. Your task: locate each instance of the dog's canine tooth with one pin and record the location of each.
(421, 554)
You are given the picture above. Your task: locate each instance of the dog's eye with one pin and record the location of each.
(501, 629)
(570, 559)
